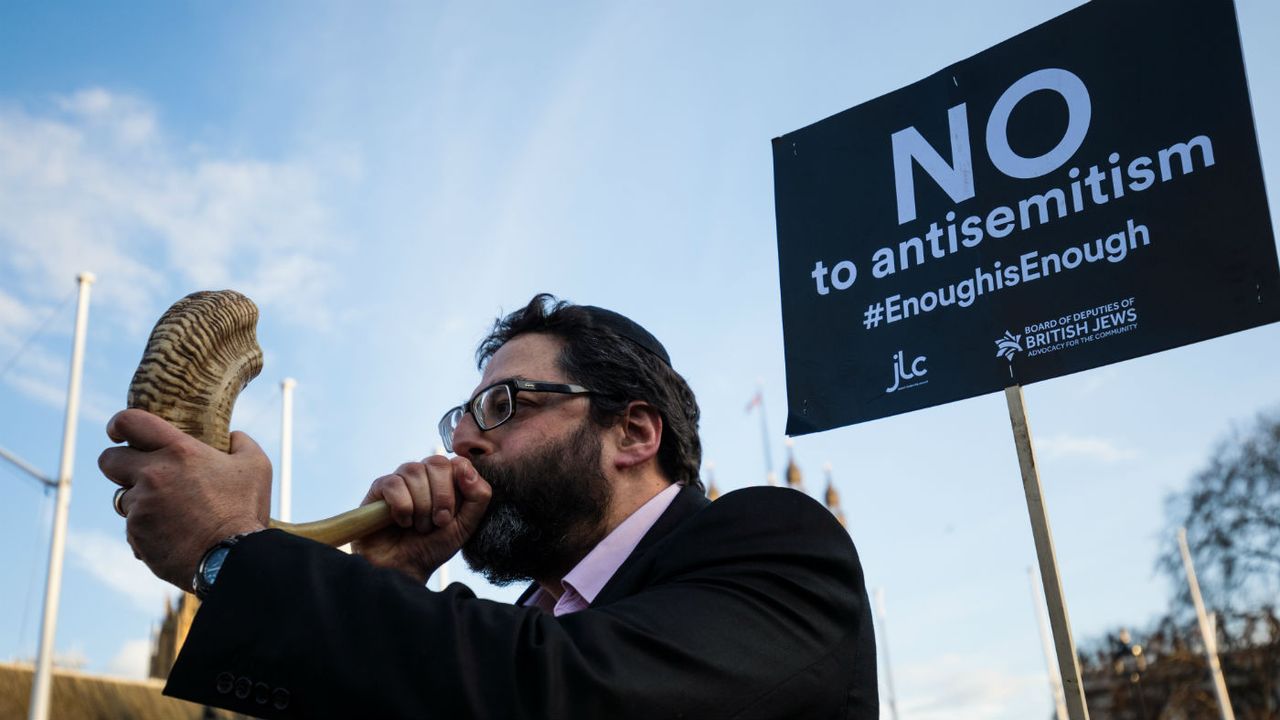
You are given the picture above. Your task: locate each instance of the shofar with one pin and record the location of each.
(201, 354)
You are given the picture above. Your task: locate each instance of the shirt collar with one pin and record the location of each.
(583, 583)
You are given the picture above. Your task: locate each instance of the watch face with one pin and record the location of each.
(214, 564)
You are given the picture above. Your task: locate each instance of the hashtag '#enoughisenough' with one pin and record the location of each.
(871, 318)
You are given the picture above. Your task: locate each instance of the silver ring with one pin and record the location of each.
(115, 501)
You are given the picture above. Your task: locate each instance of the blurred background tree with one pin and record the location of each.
(1231, 510)
(1232, 514)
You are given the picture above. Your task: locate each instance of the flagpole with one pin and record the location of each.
(442, 573)
(1206, 630)
(41, 680)
(286, 448)
(1046, 643)
(884, 646)
(712, 491)
(769, 475)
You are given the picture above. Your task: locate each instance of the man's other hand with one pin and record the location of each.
(183, 496)
(435, 506)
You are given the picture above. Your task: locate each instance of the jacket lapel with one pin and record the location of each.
(686, 503)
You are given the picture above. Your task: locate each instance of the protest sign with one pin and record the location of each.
(1086, 192)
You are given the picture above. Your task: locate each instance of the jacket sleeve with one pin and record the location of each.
(749, 605)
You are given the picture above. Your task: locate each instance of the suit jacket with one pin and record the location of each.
(750, 607)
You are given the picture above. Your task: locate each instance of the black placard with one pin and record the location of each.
(1111, 206)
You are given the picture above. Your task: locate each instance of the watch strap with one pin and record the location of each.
(200, 584)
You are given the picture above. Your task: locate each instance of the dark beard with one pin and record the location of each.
(546, 513)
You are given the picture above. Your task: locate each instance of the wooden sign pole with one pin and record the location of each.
(1068, 662)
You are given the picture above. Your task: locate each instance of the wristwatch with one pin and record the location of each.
(211, 564)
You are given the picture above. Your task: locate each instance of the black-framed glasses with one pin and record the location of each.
(496, 404)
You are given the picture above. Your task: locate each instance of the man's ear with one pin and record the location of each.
(639, 436)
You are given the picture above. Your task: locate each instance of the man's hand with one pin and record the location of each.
(435, 507)
(183, 496)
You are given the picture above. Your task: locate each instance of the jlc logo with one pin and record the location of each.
(901, 373)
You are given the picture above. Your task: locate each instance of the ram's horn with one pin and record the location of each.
(201, 354)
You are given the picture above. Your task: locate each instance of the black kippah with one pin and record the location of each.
(629, 329)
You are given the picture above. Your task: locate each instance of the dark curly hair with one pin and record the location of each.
(619, 370)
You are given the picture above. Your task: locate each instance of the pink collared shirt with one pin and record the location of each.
(588, 577)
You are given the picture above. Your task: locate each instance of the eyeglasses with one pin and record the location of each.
(496, 404)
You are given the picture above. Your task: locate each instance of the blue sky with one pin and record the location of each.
(384, 181)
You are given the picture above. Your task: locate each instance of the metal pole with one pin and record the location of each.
(442, 576)
(286, 449)
(884, 645)
(27, 468)
(1206, 630)
(42, 681)
(770, 476)
(442, 573)
(1055, 680)
(1068, 663)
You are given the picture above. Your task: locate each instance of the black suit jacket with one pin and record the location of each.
(749, 607)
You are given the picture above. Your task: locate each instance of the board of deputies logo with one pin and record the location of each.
(1070, 330)
(1008, 346)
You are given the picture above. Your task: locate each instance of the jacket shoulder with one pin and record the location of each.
(777, 507)
(760, 524)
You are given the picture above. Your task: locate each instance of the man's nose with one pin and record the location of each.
(469, 441)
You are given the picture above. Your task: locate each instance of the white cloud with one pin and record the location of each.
(111, 561)
(128, 119)
(1092, 448)
(1098, 379)
(16, 320)
(93, 182)
(953, 686)
(73, 657)
(34, 368)
(133, 660)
